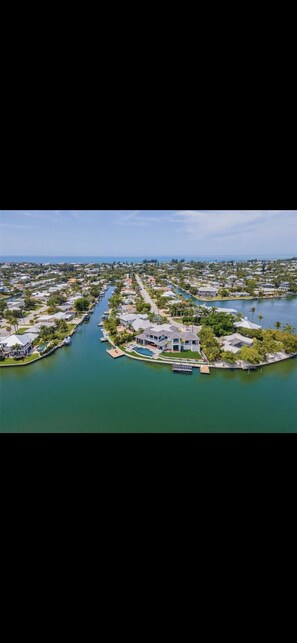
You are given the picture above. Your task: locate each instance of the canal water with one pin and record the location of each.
(282, 309)
(81, 389)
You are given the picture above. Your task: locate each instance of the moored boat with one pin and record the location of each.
(67, 341)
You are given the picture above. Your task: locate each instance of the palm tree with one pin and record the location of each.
(253, 310)
(260, 317)
(277, 325)
(288, 328)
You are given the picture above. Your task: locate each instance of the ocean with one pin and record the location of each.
(136, 259)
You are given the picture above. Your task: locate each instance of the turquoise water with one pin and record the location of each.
(81, 389)
(143, 351)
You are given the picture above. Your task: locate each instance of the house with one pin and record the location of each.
(169, 294)
(244, 323)
(129, 318)
(17, 345)
(235, 342)
(207, 291)
(170, 338)
(139, 324)
(56, 316)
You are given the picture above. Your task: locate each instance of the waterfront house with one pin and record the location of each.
(244, 323)
(207, 291)
(17, 345)
(169, 338)
(235, 342)
(129, 318)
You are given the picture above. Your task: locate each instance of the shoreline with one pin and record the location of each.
(251, 298)
(52, 350)
(232, 367)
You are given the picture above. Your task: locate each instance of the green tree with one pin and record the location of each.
(253, 310)
(81, 305)
(249, 354)
(288, 328)
(228, 356)
(260, 317)
(277, 324)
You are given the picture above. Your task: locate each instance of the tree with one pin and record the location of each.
(277, 324)
(221, 323)
(253, 310)
(249, 354)
(228, 356)
(3, 307)
(81, 305)
(288, 328)
(260, 317)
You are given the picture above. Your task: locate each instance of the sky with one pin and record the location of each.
(148, 233)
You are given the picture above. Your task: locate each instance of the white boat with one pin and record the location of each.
(101, 324)
(67, 341)
(103, 339)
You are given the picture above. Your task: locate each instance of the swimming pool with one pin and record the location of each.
(143, 351)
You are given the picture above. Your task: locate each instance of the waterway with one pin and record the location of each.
(79, 388)
(282, 309)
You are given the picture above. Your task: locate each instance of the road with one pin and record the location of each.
(147, 298)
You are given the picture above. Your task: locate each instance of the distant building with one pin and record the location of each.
(207, 291)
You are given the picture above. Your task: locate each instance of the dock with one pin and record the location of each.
(205, 370)
(115, 353)
(182, 368)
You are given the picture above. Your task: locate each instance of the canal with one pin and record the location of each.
(81, 389)
(282, 309)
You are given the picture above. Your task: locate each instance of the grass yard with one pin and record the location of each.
(183, 355)
(25, 360)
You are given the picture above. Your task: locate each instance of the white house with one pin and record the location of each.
(207, 291)
(169, 338)
(17, 345)
(235, 342)
(129, 318)
(244, 323)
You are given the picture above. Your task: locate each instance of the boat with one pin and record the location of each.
(101, 323)
(67, 341)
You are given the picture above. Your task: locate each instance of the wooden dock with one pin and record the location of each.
(115, 353)
(182, 368)
(205, 370)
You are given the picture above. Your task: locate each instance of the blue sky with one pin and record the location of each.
(148, 232)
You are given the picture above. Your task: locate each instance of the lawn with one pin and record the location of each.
(25, 360)
(183, 355)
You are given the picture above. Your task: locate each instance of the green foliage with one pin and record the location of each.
(221, 323)
(29, 303)
(81, 305)
(224, 292)
(209, 343)
(3, 307)
(228, 356)
(249, 354)
(142, 307)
